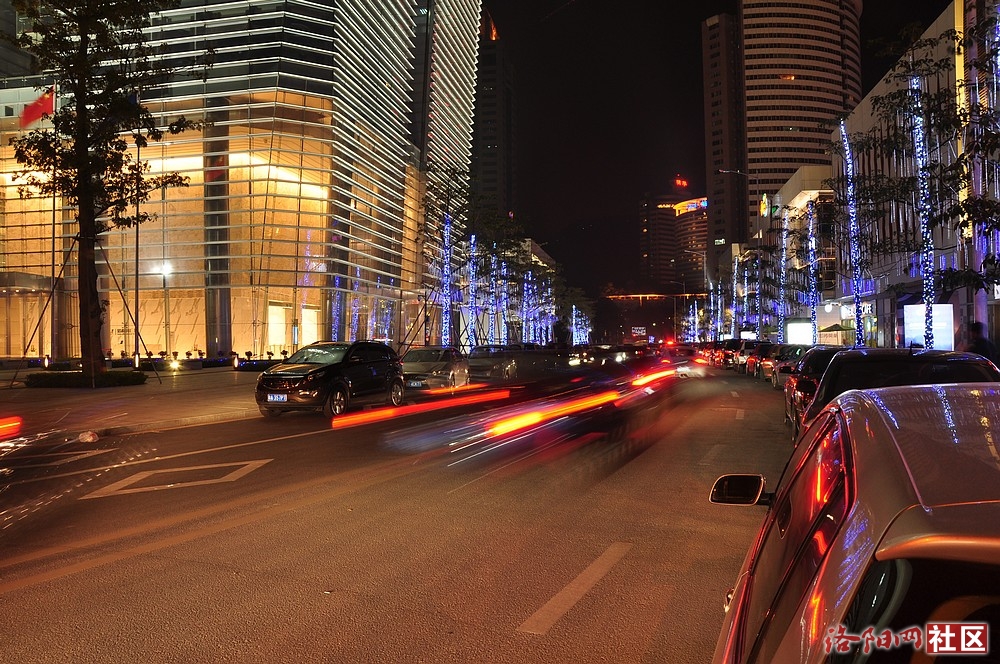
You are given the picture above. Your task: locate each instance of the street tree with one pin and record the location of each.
(97, 59)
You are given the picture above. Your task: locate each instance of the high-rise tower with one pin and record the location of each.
(801, 71)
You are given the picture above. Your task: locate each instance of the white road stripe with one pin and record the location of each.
(565, 599)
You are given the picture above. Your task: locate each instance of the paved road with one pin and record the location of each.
(285, 541)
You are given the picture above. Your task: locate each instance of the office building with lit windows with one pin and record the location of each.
(304, 215)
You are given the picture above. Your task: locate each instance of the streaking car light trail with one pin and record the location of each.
(10, 426)
(646, 379)
(540, 416)
(380, 414)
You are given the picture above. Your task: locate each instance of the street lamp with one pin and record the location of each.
(673, 302)
(165, 270)
(755, 194)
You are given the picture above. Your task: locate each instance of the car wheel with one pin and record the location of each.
(336, 403)
(269, 412)
(395, 396)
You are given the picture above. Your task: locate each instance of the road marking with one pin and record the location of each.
(243, 468)
(61, 458)
(739, 413)
(158, 459)
(734, 394)
(565, 599)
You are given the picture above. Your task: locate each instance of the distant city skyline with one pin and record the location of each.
(611, 110)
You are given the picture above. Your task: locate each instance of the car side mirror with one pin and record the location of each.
(806, 387)
(785, 368)
(740, 489)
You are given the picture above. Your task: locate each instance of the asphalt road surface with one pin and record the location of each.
(285, 541)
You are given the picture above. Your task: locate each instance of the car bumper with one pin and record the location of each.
(293, 400)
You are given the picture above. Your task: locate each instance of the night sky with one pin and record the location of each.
(610, 107)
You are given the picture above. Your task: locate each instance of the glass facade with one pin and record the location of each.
(302, 216)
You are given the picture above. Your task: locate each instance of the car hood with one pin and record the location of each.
(484, 361)
(294, 369)
(423, 367)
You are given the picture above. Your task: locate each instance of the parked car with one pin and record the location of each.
(751, 365)
(725, 356)
(777, 354)
(802, 379)
(435, 366)
(330, 376)
(862, 368)
(885, 522)
(742, 353)
(784, 362)
(492, 362)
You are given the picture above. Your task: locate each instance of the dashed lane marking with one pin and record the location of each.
(565, 599)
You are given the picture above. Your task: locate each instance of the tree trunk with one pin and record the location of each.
(91, 311)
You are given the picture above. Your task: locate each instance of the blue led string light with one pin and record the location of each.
(446, 283)
(924, 213)
(854, 233)
(811, 269)
(781, 277)
(736, 266)
(473, 295)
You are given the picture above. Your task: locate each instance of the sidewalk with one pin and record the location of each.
(174, 399)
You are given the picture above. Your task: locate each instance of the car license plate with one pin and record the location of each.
(414, 383)
(277, 397)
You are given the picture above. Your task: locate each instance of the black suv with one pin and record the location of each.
(867, 368)
(330, 376)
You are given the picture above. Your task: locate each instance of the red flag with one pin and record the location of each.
(34, 111)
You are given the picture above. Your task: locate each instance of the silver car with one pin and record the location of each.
(881, 540)
(428, 367)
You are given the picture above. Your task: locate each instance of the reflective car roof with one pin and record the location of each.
(948, 438)
(927, 467)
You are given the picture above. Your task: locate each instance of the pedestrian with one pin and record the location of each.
(979, 343)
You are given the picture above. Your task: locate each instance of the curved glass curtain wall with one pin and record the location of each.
(292, 227)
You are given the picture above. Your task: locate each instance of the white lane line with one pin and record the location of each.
(739, 413)
(565, 599)
(242, 468)
(734, 394)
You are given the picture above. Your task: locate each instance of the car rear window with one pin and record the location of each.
(873, 373)
(817, 361)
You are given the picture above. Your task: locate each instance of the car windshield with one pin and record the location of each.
(424, 355)
(486, 351)
(317, 355)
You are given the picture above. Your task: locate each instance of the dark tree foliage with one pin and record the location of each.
(95, 54)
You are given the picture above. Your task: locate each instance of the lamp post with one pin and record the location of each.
(755, 194)
(673, 301)
(165, 270)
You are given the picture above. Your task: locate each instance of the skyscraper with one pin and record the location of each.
(801, 71)
(797, 66)
(494, 134)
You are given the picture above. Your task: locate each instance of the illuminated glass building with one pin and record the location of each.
(303, 218)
